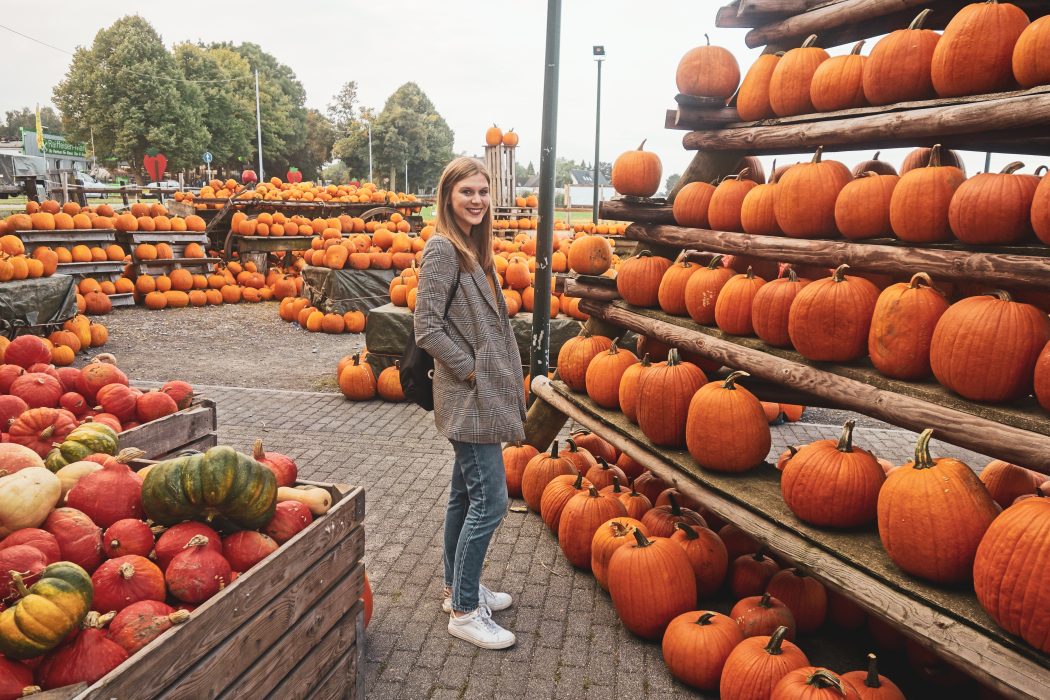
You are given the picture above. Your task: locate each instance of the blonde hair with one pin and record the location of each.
(474, 246)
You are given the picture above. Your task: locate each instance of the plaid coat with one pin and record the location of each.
(476, 337)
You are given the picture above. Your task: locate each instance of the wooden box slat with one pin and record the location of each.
(184, 429)
(166, 659)
(327, 656)
(345, 681)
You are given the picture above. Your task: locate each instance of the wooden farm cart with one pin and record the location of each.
(291, 627)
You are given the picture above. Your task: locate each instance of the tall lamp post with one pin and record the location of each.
(599, 56)
(369, 125)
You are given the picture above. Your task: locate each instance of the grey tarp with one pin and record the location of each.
(339, 291)
(36, 302)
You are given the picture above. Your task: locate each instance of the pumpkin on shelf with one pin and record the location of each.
(637, 173)
(752, 101)
(629, 387)
(726, 429)
(723, 213)
(838, 82)
(590, 255)
(691, 205)
(734, 303)
(902, 327)
(985, 348)
(576, 355)
(806, 196)
(664, 392)
(830, 318)
(1007, 482)
(947, 498)
(1041, 209)
(898, 67)
(921, 200)
(708, 71)
(789, 84)
(758, 211)
(703, 288)
(833, 484)
(771, 307)
(651, 582)
(975, 52)
(1030, 66)
(873, 165)
(757, 664)
(638, 278)
(696, 645)
(871, 685)
(862, 209)
(993, 208)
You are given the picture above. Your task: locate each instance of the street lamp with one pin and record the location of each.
(369, 125)
(599, 56)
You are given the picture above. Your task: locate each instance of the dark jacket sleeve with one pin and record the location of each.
(439, 267)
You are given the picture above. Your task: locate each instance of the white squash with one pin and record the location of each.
(318, 500)
(70, 474)
(27, 498)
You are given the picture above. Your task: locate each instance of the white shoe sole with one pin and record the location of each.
(446, 606)
(455, 632)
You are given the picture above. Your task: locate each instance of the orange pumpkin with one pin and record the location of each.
(789, 85)
(637, 173)
(975, 52)
(838, 83)
(708, 71)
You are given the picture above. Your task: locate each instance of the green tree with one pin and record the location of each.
(352, 147)
(342, 110)
(672, 180)
(316, 149)
(127, 89)
(227, 86)
(25, 118)
(336, 172)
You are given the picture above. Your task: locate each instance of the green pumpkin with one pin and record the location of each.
(87, 439)
(222, 487)
(52, 607)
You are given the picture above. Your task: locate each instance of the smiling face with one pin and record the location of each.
(470, 201)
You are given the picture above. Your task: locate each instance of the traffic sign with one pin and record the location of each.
(207, 157)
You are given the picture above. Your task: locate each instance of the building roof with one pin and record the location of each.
(586, 177)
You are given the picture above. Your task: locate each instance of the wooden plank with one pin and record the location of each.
(163, 661)
(329, 655)
(172, 433)
(64, 693)
(946, 620)
(775, 7)
(992, 268)
(345, 680)
(997, 118)
(136, 237)
(1020, 435)
(651, 211)
(252, 660)
(268, 244)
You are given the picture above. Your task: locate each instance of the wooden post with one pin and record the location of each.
(543, 425)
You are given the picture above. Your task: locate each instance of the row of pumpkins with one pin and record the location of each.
(97, 560)
(829, 484)
(276, 189)
(908, 329)
(659, 562)
(49, 215)
(77, 334)
(231, 283)
(986, 47)
(278, 224)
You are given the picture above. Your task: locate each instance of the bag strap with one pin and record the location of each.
(452, 293)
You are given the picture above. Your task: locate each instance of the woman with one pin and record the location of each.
(479, 399)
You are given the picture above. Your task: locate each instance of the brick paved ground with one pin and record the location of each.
(570, 643)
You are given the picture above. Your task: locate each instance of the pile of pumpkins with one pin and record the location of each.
(108, 559)
(231, 283)
(277, 189)
(987, 47)
(59, 349)
(908, 329)
(49, 215)
(296, 309)
(358, 382)
(830, 483)
(381, 246)
(660, 555)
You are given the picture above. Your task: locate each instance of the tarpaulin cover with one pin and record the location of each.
(339, 291)
(36, 302)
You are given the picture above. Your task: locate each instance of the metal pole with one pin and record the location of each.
(597, 132)
(369, 123)
(988, 161)
(406, 177)
(258, 125)
(541, 315)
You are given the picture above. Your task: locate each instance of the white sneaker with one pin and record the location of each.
(493, 600)
(479, 629)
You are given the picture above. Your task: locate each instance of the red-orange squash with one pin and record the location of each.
(902, 326)
(975, 53)
(830, 318)
(726, 429)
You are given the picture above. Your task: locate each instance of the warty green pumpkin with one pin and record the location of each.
(47, 611)
(222, 487)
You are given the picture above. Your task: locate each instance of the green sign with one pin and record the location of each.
(61, 147)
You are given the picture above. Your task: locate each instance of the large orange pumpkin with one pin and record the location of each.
(733, 306)
(723, 213)
(898, 67)
(726, 429)
(630, 382)
(830, 318)
(576, 354)
(975, 53)
(920, 201)
(638, 278)
(637, 173)
(862, 209)
(838, 83)
(757, 664)
(789, 85)
(651, 582)
(806, 195)
(691, 205)
(758, 211)
(707, 71)
(932, 515)
(902, 327)
(703, 288)
(813, 683)
(752, 102)
(671, 293)
(993, 208)
(1031, 56)
(771, 306)
(540, 471)
(664, 393)
(603, 375)
(696, 646)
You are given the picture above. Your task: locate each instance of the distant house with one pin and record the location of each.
(580, 190)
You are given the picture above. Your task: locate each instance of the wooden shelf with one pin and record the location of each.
(948, 621)
(1023, 265)
(67, 237)
(1008, 122)
(158, 267)
(90, 269)
(122, 300)
(136, 237)
(1019, 433)
(268, 244)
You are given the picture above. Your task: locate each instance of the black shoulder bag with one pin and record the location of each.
(417, 366)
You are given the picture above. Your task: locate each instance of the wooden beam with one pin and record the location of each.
(1016, 435)
(820, 20)
(992, 268)
(649, 212)
(774, 7)
(948, 621)
(994, 120)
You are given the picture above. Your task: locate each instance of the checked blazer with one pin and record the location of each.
(476, 337)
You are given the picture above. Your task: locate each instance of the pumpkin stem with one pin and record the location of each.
(690, 533)
(127, 570)
(872, 679)
(920, 19)
(614, 348)
(178, 617)
(644, 254)
(730, 382)
(578, 484)
(750, 274)
(554, 450)
(1012, 168)
(675, 508)
(760, 554)
(920, 277)
(705, 619)
(775, 640)
(935, 157)
(357, 360)
(645, 361)
(716, 262)
(616, 483)
(840, 273)
(708, 39)
(923, 460)
(810, 40)
(823, 678)
(572, 445)
(1042, 168)
(817, 155)
(876, 156)
(642, 144)
(763, 602)
(634, 491)
(20, 585)
(1000, 294)
(855, 51)
(257, 450)
(846, 440)
(792, 277)
(196, 541)
(592, 492)
(640, 538)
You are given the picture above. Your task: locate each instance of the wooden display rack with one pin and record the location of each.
(178, 242)
(106, 270)
(946, 621)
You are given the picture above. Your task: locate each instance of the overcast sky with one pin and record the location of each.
(479, 61)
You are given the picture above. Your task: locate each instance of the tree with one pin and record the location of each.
(336, 172)
(25, 118)
(126, 88)
(672, 180)
(227, 86)
(352, 148)
(342, 110)
(316, 149)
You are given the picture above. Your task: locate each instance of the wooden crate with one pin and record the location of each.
(291, 627)
(191, 428)
(500, 162)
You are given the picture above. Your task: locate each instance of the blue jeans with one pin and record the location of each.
(477, 502)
